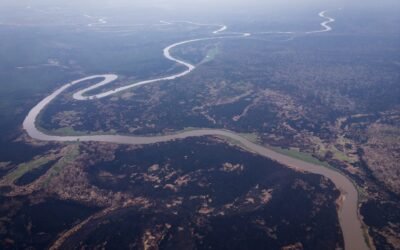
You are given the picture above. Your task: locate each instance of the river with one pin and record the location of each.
(348, 212)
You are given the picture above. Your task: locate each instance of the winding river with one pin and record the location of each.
(348, 212)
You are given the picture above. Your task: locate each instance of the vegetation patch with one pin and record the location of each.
(27, 167)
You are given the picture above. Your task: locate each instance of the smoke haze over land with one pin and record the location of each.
(197, 9)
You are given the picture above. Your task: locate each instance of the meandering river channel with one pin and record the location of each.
(348, 212)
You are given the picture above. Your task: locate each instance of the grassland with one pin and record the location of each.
(26, 167)
(70, 154)
(211, 54)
